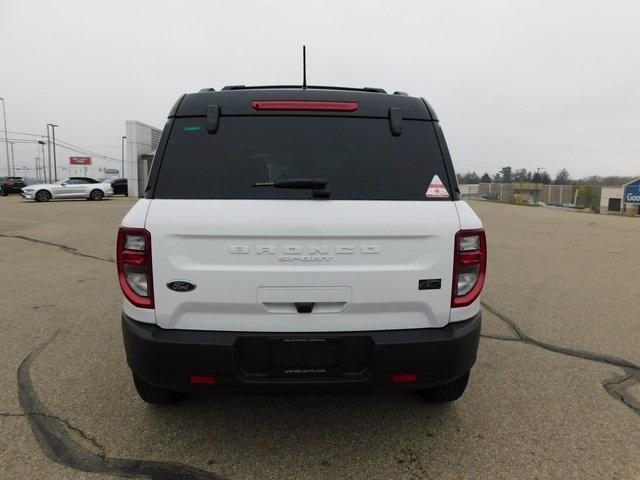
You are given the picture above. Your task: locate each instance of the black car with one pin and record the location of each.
(120, 186)
(11, 185)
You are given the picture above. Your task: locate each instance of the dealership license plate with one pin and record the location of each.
(304, 356)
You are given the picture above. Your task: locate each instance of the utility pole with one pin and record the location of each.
(13, 159)
(122, 172)
(55, 166)
(48, 155)
(37, 170)
(44, 169)
(6, 142)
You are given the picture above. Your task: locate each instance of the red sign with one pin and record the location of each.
(79, 160)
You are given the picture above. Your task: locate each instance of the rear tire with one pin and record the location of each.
(156, 395)
(42, 196)
(96, 194)
(448, 392)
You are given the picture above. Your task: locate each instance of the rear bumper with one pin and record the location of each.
(327, 361)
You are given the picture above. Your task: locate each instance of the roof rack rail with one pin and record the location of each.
(404, 94)
(202, 90)
(321, 87)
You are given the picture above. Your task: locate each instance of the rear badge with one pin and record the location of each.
(181, 286)
(430, 284)
(436, 188)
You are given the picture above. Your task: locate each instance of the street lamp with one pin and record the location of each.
(6, 143)
(13, 159)
(122, 172)
(55, 167)
(44, 169)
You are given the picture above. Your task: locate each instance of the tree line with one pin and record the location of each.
(521, 175)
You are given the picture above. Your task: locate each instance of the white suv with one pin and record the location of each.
(294, 239)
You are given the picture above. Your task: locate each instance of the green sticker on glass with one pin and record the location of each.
(191, 128)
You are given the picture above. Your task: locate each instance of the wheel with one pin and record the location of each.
(156, 395)
(448, 392)
(42, 196)
(96, 194)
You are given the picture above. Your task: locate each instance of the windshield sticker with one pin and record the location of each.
(191, 128)
(436, 189)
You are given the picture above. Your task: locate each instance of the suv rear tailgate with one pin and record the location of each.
(358, 262)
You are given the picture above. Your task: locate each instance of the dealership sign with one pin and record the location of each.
(632, 192)
(79, 160)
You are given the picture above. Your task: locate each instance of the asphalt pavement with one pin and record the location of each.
(555, 392)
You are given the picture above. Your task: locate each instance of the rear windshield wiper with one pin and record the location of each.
(318, 185)
(311, 183)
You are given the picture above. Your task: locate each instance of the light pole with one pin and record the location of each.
(13, 159)
(6, 142)
(122, 172)
(55, 166)
(48, 154)
(44, 169)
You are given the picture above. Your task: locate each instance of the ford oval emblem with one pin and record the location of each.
(181, 286)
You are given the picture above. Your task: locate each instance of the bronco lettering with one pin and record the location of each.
(305, 253)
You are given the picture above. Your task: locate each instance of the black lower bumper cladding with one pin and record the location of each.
(287, 362)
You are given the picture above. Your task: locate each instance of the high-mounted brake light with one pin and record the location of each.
(133, 254)
(469, 266)
(304, 105)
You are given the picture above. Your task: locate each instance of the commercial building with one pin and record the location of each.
(141, 143)
(623, 200)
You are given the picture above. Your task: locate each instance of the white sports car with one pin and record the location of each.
(72, 187)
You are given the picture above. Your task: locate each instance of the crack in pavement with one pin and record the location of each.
(618, 387)
(53, 438)
(65, 248)
(68, 424)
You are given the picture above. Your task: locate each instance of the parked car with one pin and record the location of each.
(120, 186)
(309, 239)
(489, 196)
(11, 185)
(72, 187)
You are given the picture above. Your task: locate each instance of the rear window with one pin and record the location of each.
(358, 157)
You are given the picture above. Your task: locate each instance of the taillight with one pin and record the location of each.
(133, 254)
(469, 266)
(304, 105)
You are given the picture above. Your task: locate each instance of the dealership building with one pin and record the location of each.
(624, 200)
(141, 144)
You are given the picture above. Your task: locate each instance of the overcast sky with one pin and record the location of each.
(530, 84)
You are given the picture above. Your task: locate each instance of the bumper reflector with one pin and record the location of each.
(404, 378)
(203, 379)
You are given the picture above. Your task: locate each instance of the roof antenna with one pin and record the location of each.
(304, 67)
